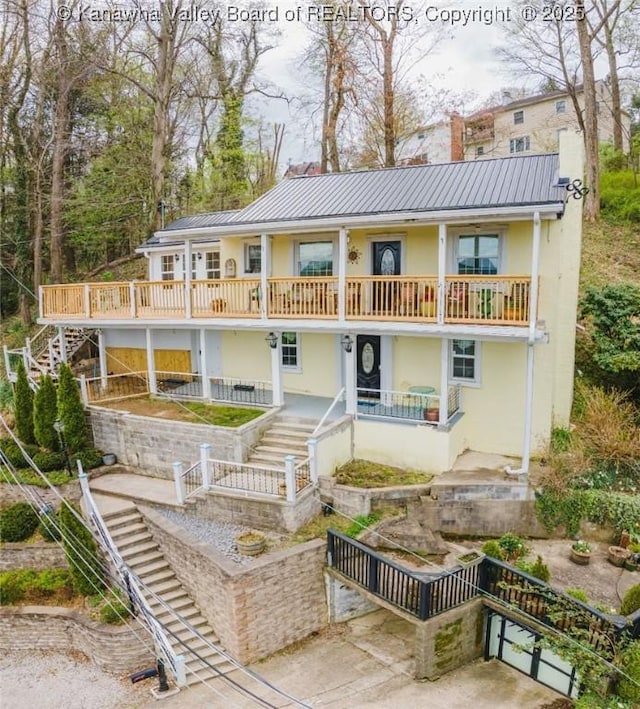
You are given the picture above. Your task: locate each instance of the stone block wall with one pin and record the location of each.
(112, 648)
(155, 444)
(257, 609)
(10, 494)
(42, 555)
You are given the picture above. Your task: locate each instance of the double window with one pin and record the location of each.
(519, 145)
(290, 350)
(464, 362)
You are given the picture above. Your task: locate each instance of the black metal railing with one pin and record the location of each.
(241, 391)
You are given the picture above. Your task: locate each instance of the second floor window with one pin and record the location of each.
(518, 117)
(315, 258)
(519, 145)
(166, 273)
(561, 106)
(479, 151)
(478, 254)
(252, 258)
(213, 265)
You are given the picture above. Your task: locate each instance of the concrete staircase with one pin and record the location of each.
(287, 435)
(143, 556)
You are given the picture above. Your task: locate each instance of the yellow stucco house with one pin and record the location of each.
(434, 304)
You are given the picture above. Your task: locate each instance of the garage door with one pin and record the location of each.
(517, 646)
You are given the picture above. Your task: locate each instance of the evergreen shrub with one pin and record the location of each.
(45, 412)
(18, 522)
(71, 410)
(23, 406)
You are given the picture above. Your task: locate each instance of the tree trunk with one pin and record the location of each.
(592, 206)
(616, 109)
(389, 115)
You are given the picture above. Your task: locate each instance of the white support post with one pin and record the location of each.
(444, 382)
(442, 267)
(7, 361)
(290, 477)
(87, 301)
(84, 391)
(25, 358)
(84, 481)
(528, 411)
(181, 673)
(187, 278)
(342, 273)
(265, 271)
(63, 344)
(276, 376)
(41, 301)
(151, 365)
(132, 299)
(351, 398)
(312, 447)
(27, 346)
(179, 481)
(205, 454)
(52, 356)
(204, 371)
(102, 359)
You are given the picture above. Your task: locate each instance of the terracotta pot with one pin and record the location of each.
(617, 555)
(580, 557)
(431, 414)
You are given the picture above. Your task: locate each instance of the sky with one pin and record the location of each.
(463, 60)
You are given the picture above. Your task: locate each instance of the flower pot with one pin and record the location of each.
(617, 555)
(109, 458)
(431, 414)
(581, 558)
(428, 309)
(251, 544)
(471, 558)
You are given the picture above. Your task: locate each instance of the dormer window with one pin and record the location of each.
(518, 117)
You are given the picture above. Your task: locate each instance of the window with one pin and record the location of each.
(167, 267)
(213, 264)
(478, 254)
(315, 258)
(465, 365)
(561, 106)
(252, 258)
(519, 145)
(479, 151)
(518, 117)
(290, 350)
(194, 263)
(420, 136)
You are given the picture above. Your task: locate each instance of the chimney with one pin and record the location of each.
(506, 97)
(456, 128)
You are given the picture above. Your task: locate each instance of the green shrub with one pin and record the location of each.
(631, 601)
(18, 522)
(49, 527)
(629, 683)
(577, 593)
(540, 570)
(493, 549)
(513, 546)
(71, 410)
(90, 458)
(14, 454)
(114, 611)
(11, 587)
(26, 476)
(362, 522)
(620, 196)
(87, 571)
(51, 581)
(49, 460)
(23, 405)
(45, 412)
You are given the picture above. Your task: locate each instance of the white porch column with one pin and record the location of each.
(312, 447)
(151, 365)
(442, 268)
(179, 481)
(444, 382)
(187, 278)
(63, 344)
(276, 376)
(102, 360)
(205, 454)
(351, 394)
(265, 272)
(204, 371)
(84, 391)
(342, 273)
(290, 477)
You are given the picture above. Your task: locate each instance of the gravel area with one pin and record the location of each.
(221, 535)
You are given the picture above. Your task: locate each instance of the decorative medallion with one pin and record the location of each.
(354, 255)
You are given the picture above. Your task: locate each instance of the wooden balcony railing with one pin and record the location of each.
(486, 300)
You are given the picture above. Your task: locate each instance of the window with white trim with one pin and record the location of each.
(315, 258)
(212, 265)
(519, 145)
(464, 362)
(252, 258)
(478, 254)
(194, 266)
(290, 350)
(166, 268)
(518, 117)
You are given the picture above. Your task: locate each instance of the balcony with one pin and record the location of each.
(483, 300)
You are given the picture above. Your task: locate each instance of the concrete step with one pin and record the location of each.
(136, 528)
(155, 578)
(271, 459)
(190, 614)
(176, 626)
(137, 561)
(140, 549)
(125, 540)
(288, 433)
(173, 595)
(182, 605)
(149, 568)
(119, 519)
(295, 424)
(281, 442)
(282, 450)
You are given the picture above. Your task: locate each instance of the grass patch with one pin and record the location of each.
(363, 473)
(610, 253)
(27, 476)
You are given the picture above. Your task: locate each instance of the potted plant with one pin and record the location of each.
(251, 543)
(617, 555)
(428, 304)
(470, 558)
(432, 413)
(512, 309)
(580, 552)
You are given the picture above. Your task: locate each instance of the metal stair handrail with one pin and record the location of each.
(336, 399)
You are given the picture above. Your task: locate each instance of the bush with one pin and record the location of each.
(540, 570)
(578, 594)
(493, 549)
(361, 522)
(49, 526)
(11, 587)
(114, 611)
(513, 547)
(23, 406)
(87, 571)
(90, 458)
(28, 585)
(49, 460)
(18, 522)
(45, 412)
(620, 196)
(27, 476)
(71, 410)
(629, 683)
(631, 601)
(14, 454)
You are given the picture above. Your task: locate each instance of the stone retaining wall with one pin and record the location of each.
(10, 494)
(355, 501)
(257, 609)
(42, 555)
(155, 444)
(115, 649)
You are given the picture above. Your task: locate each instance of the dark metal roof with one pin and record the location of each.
(202, 221)
(503, 182)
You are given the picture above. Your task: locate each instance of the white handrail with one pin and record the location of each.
(336, 398)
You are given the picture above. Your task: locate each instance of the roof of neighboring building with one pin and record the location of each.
(502, 182)
(303, 168)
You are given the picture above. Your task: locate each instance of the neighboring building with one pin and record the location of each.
(440, 298)
(436, 143)
(532, 125)
(303, 168)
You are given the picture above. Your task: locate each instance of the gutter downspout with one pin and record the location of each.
(533, 316)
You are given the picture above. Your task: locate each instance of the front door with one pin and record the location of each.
(386, 262)
(368, 377)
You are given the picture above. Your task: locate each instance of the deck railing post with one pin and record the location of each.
(84, 391)
(425, 600)
(374, 562)
(290, 477)
(179, 481)
(52, 356)
(312, 447)
(132, 299)
(205, 454)
(87, 301)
